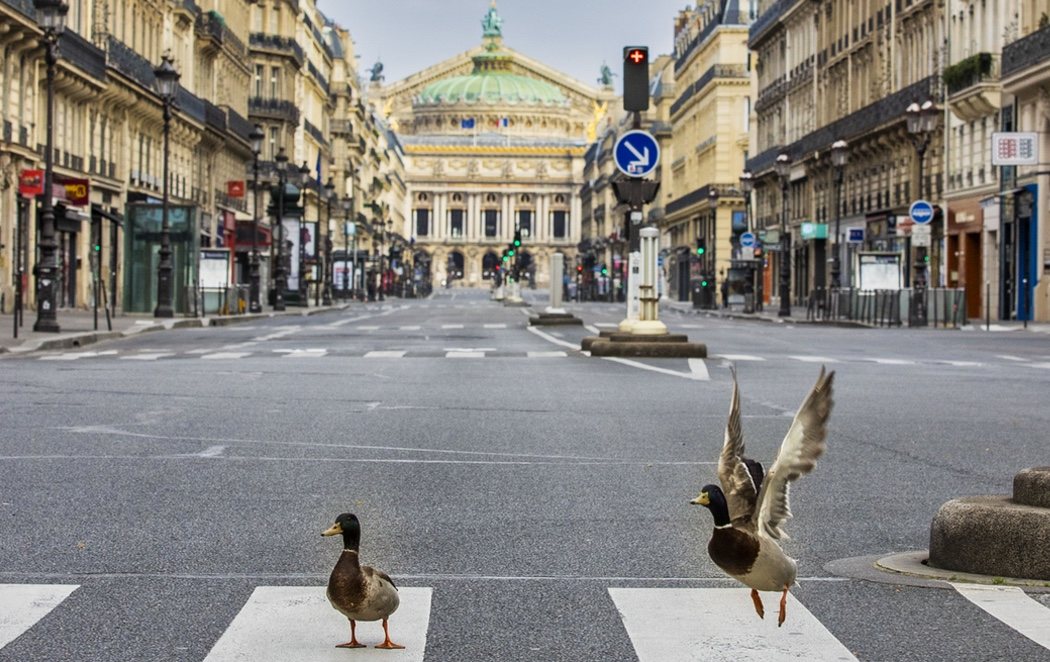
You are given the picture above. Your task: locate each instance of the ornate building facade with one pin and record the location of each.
(493, 143)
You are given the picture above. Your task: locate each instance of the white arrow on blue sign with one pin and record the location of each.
(636, 153)
(921, 212)
(747, 240)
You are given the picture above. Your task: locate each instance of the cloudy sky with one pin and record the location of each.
(572, 36)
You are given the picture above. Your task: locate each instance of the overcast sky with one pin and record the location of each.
(571, 36)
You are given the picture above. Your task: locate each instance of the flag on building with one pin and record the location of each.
(466, 123)
(503, 122)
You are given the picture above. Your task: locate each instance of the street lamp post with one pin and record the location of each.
(839, 158)
(280, 273)
(710, 260)
(747, 185)
(921, 122)
(783, 169)
(348, 265)
(254, 305)
(51, 17)
(326, 282)
(167, 89)
(304, 179)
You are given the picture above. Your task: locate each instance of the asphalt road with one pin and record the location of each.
(171, 475)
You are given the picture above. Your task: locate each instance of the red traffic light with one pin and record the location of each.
(637, 55)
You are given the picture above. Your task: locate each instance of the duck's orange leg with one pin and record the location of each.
(758, 604)
(387, 644)
(353, 643)
(783, 607)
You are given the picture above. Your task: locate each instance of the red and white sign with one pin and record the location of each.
(31, 183)
(1015, 148)
(235, 188)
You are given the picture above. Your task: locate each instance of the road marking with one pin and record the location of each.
(451, 326)
(593, 329)
(891, 361)
(547, 355)
(607, 325)
(73, 356)
(301, 353)
(298, 623)
(962, 364)
(219, 356)
(211, 451)
(409, 328)
(1012, 606)
(739, 357)
(495, 326)
(366, 328)
(1040, 365)
(715, 624)
(147, 357)
(690, 326)
(662, 371)
(1010, 357)
(390, 354)
(464, 355)
(551, 339)
(699, 368)
(282, 332)
(22, 605)
(814, 359)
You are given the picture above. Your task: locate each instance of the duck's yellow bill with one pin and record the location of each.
(335, 530)
(701, 500)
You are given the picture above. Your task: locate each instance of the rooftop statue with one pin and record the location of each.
(492, 24)
(606, 77)
(377, 72)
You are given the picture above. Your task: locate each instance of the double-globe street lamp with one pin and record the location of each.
(304, 179)
(254, 305)
(783, 170)
(921, 121)
(348, 263)
(326, 282)
(167, 88)
(51, 17)
(280, 273)
(839, 158)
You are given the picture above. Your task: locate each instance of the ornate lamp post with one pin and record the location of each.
(921, 122)
(304, 179)
(747, 185)
(51, 17)
(254, 305)
(326, 282)
(839, 158)
(348, 263)
(783, 169)
(167, 89)
(280, 274)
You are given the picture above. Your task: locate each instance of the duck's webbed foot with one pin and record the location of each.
(758, 604)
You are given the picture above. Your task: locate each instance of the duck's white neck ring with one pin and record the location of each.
(724, 526)
(353, 551)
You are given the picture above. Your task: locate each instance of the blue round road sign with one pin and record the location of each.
(921, 212)
(747, 240)
(636, 153)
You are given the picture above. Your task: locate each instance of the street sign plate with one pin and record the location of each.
(747, 253)
(856, 236)
(921, 235)
(747, 240)
(636, 153)
(921, 211)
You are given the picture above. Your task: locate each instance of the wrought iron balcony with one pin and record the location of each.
(1026, 52)
(238, 125)
(973, 86)
(321, 80)
(280, 109)
(120, 56)
(317, 134)
(766, 21)
(83, 54)
(277, 43)
(214, 26)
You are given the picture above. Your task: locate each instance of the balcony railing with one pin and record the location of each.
(277, 43)
(24, 6)
(966, 73)
(321, 80)
(83, 54)
(212, 23)
(120, 56)
(238, 126)
(274, 108)
(317, 134)
(715, 71)
(767, 20)
(1027, 51)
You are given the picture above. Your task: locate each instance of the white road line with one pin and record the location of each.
(73, 356)
(699, 368)
(551, 339)
(464, 355)
(385, 355)
(1010, 357)
(739, 357)
(495, 326)
(891, 361)
(608, 325)
(211, 451)
(301, 353)
(366, 328)
(962, 364)
(451, 326)
(547, 355)
(1039, 365)
(147, 357)
(593, 329)
(219, 356)
(690, 326)
(720, 624)
(814, 359)
(22, 605)
(662, 371)
(409, 328)
(1012, 606)
(297, 623)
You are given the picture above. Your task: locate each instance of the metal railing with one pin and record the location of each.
(937, 307)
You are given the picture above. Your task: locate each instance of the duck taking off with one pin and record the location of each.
(749, 510)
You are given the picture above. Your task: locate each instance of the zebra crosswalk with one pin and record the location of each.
(315, 353)
(281, 623)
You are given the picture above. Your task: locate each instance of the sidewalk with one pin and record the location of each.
(77, 327)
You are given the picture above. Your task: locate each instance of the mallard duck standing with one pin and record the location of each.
(359, 592)
(750, 511)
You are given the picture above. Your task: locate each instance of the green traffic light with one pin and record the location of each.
(506, 258)
(700, 251)
(605, 272)
(510, 253)
(517, 243)
(703, 283)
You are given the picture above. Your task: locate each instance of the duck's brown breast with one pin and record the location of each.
(733, 551)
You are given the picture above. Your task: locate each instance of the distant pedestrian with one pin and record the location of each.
(725, 293)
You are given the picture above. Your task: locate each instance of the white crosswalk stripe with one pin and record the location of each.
(22, 605)
(73, 356)
(1012, 606)
(284, 623)
(814, 359)
(495, 326)
(148, 356)
(891, 361)
(385, 355)
(302, 353)
(221, 356)
(547, 355)
(739, 357)
(715, 624)
(464, 355)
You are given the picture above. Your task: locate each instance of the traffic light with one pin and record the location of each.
(579, 268)
(605, 271)
(517, 238)
(701, 245)
(636, 78)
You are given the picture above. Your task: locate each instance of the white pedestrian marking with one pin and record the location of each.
(720, 624)
(211, 451)
(22, 605)
(283, 623)
(551, 339)
(547, 355)
(1010, 357)
(962, 364)
(219, 356)
(465, 355)
(1040, 365)
(891, 361)
(73, 356)
(699, 368)
(1012, 606)
(301, 353)
(409, 328)
(495, 326)
(593, 329)
(366, 328)
(739, 357)
(662, 371)
(451, 326)
(147, 357)
(385, 355)
(690, 326)
(814, 359)
(607, 325)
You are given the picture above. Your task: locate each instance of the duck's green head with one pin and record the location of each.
(712, 498)
(349, 527)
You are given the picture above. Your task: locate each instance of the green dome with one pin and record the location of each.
(492, 87)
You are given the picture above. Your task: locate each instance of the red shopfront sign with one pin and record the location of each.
(31, 183)
(235, 189)
(74, 191)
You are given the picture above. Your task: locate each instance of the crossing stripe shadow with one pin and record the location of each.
(1013, 607)
(22, 605)
(285, 623)
(720, 624)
